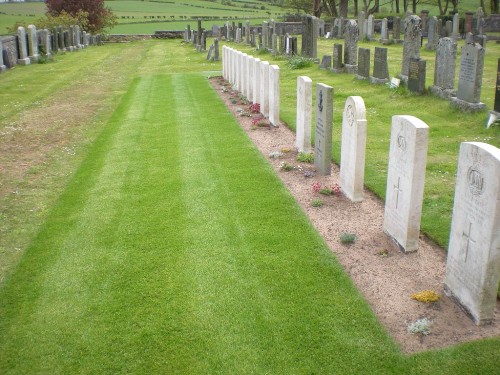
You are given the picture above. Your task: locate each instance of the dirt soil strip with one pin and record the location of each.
(385, 276)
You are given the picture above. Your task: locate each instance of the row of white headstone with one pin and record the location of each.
(257, 80)
(473, 264)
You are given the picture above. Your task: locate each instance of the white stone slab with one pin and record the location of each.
(274, 94)
(473, 264)
(324, 129)
(405, 180)
(352, 162)
(264, 88)
(256, 81)
(250, 87)
(304, 114)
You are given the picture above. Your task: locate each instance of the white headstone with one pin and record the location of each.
(324, 129)
(264, 88)
(304, 114)
(250, 87)
(244, 75)
(274, 94)
(256, 81)
(405, 180)
(473, 265)
(352, 163)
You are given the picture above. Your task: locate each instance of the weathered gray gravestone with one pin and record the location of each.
(416, 76)
(210, 53)
(473, 264)
(405, 181)
(198, 34)
(60, 37)
(384, 35)
(433, 34)
(326, 62)
(3, 67)
(361, 25)
(310, 37)
(396, 30)
(352, 162)
(363, 63)
(304, 114)
(33, 44)
(238, 36)
(456, 24)
(338, 66)
(247, 32)
(411, 44)
(351, 47)
(370, 28)
(444, 68)
(44, 42)
(216, 49)
(470, 78)
(274, 45)
(324, 129)
(380, 67)
(23, 48)
(265, 32)
(448, 29)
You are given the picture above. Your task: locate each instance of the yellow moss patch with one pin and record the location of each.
(426, 296)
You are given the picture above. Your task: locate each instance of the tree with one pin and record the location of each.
(99, 16)
(300, 5)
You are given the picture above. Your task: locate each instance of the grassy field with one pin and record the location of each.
(167, 244)
(143, 17)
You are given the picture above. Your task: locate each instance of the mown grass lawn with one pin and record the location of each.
(174, 248)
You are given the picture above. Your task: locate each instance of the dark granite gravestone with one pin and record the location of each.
(363, 63)
(416, 76)
(310, 37)
(351, 46)
(380, 66)
(326, 62)
(338, 66)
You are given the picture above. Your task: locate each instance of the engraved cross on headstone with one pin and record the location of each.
(399, 190)
(469, 240)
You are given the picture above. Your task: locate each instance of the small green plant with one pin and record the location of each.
(286, 167)
(420, 326)
(305, 157)
(317, 203)
(347, 238)
(299, 62)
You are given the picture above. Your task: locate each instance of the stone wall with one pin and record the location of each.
(492, 23)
